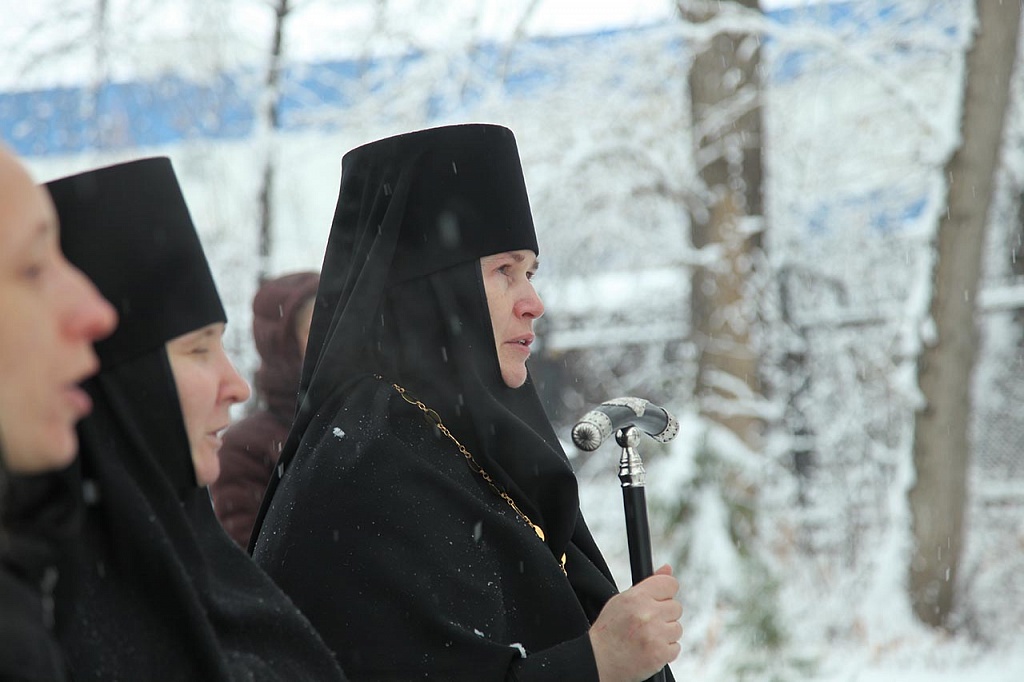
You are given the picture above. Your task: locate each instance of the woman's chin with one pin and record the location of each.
(55, 451)
(514, 377)
(207, 468)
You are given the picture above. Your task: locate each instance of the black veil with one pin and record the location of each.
(401, 295)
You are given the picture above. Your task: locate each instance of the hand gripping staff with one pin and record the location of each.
(627, 418)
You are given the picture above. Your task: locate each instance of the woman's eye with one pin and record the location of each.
(32, 271)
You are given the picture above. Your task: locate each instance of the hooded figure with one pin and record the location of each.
(157, 591)
(252, 447)
(420, 551)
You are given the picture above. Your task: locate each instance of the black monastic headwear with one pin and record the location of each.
(128, 228)
(401, 295)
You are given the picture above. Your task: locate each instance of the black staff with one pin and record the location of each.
(627, 418)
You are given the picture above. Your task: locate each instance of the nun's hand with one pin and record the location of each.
(637, 632)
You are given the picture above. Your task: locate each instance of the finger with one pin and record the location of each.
(660, 587)
(667, 629)
(662, 654)
(664, 569)
(670, 610)
(667, 637)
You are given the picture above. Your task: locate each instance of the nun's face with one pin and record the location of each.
(514, 305)
(208, 385)
(49, 316)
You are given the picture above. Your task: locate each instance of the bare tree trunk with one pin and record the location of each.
(941, 452)
(272, 116)
(725, 96)
(104, 135)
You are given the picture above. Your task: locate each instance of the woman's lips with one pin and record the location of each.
(78, 399)
(522, 343)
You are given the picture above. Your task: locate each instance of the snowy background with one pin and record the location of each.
(789, 572)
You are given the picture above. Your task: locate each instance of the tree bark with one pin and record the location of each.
(725, 96)
(941, 450)
(272, 114)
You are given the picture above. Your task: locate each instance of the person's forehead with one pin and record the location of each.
(518, 256)
(26, 214)
(14, 177)
(213, 330)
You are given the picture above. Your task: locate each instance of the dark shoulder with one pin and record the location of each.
(374, 399)
(370, 412)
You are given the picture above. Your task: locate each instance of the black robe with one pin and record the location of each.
(157, 590)
(39, 516)
(408, 563)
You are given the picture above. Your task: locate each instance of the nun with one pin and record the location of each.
(424, 515)
(157, 590)
(51, 316)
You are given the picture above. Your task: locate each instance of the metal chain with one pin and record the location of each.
(473, 464)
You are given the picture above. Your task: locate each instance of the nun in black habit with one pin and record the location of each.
(50, 315)
(424, 515)
(156, 590)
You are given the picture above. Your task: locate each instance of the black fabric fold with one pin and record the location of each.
(40, 516)
(410, 566)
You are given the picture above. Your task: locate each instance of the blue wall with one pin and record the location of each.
(169, 109)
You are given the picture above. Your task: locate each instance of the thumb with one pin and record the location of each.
(664, 569)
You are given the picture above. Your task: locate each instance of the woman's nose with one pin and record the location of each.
(236, 389)
(530, 305)
(90, 317)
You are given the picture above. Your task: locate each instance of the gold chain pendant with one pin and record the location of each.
(473, 465)
(540, 533)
